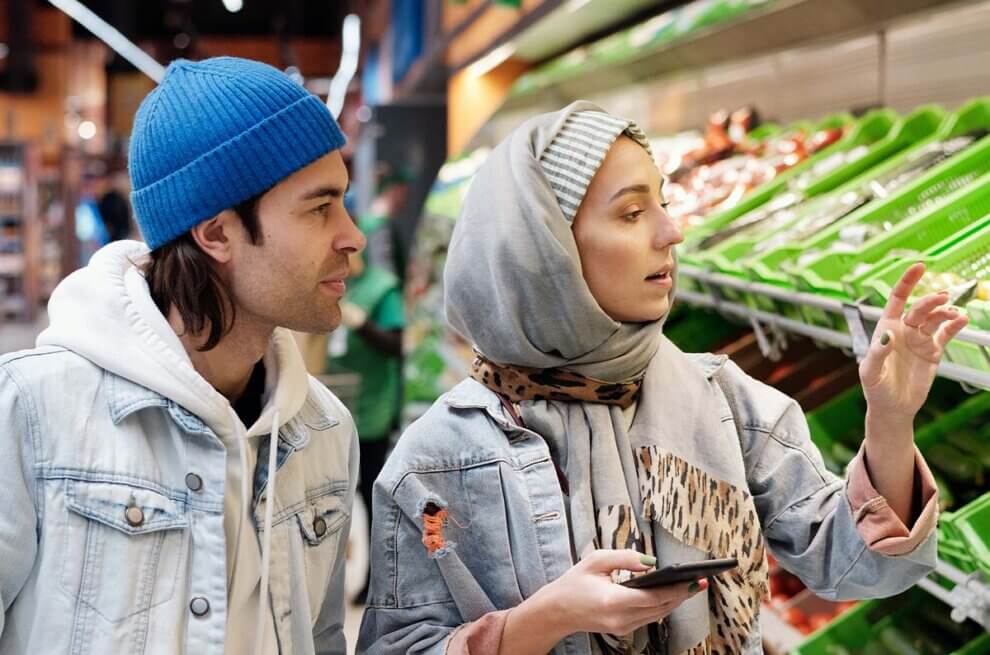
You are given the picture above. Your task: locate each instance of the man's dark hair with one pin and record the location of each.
(181, 275)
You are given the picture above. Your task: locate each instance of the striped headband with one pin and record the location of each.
(578, 149)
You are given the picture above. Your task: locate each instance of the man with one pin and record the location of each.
(174, 481)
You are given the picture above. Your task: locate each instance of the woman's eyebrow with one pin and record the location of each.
(634, 188)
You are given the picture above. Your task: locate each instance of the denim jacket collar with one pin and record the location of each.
(125, 397)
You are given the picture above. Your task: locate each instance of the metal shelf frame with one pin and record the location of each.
(970, 598)
(860, 318)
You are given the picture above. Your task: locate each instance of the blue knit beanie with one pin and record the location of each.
(215, 133)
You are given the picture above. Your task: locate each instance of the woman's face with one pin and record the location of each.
(625, 237)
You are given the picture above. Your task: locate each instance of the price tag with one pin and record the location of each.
(857, 330)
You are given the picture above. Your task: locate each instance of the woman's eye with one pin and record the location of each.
(665, 203)
(633, 215)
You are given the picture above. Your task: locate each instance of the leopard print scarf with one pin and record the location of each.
(681, 500)
(520, 383)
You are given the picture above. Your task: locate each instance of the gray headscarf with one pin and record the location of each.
(514, 288)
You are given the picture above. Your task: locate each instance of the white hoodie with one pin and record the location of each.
(104, 312)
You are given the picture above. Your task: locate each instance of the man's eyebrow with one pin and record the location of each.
(635, 188)
(332, 191)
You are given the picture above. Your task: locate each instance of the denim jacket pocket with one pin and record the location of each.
(122, 547)
(320, 521)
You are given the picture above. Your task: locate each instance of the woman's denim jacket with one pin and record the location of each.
(506, 535)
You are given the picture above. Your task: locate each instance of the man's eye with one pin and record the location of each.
(322, 209)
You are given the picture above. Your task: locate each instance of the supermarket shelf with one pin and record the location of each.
(970, 598)
(823, 335)
(862, 318)
(783, 24)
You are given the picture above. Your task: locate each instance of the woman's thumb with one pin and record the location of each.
(606, 561)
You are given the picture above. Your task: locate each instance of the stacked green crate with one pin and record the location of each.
(967, 534)
(828, 196)
(785, 265)
(968, 261)
(879, 136)
(907, 624)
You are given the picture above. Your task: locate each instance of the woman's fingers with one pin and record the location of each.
(949, 330)
(667, 595)
(664, 601)
(922, 309)
(902, 291)
(936, 318)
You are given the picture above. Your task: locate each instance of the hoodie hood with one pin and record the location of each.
(104, 312)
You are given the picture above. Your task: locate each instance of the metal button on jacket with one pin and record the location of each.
(134, 515)
(194, 482)
(199, 606)
(319, 526)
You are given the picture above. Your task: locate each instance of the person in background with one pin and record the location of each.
(378, 224)
(115, 210)
(173, 480)
(370, 346)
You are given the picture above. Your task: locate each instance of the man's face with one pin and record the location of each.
(294, 275)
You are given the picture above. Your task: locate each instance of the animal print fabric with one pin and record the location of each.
(695, 508)
(721, 520)
(520, 383)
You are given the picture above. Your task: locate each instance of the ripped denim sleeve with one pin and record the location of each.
(420, 591)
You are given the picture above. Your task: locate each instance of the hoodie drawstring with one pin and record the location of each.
(266, 538)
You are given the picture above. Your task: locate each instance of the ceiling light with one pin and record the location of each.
(105, 32)
(87, 130)
(492, 60)
(349, 51)
(233, 6)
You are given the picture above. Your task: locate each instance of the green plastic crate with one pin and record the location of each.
(871, 287)
(953, 219)
(971, 527)
(974, 407)
(769, 267)
(904, 138)
(835, 275)
(854, 628)
(955, 258)
(949, 216)
(881, 131)
(950, 177)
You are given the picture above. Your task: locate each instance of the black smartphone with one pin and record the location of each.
(683, 572)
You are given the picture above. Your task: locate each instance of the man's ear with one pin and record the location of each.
(214, 236)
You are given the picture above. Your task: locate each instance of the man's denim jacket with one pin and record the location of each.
(111, 521)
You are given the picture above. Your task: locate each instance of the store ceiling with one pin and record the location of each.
(151, 19)
(585, 21)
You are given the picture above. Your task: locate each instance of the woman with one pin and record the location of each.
(586, 447)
